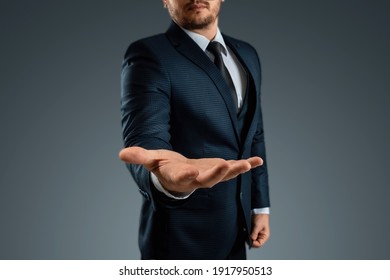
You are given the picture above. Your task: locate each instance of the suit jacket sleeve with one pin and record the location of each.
(260, 189)
(145, 107)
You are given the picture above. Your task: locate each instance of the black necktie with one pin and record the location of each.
(215, 48)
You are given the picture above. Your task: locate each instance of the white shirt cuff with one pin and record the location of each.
(260, 211)
(160, 188)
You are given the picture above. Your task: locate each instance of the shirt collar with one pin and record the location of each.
(203, 42)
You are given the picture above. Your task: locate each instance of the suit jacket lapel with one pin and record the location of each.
(246, 60)
(186, 46)
(248, 64)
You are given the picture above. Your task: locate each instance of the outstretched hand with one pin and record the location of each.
(180, 174)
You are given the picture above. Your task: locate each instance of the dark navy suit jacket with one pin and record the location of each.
(174, 97)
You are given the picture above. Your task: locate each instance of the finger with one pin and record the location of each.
(255, 161)
(214, 175)
(137, 155)
(255, 232)
(260, 241)
(263, 239)
(256, 244)
(236, 168)
(259, 236)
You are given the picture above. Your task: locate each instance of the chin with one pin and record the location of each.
(198, 23)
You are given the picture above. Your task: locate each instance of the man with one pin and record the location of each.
(192, 125)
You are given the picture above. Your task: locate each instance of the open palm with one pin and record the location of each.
(180, 174)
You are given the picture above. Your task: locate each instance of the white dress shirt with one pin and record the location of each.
(238, 76)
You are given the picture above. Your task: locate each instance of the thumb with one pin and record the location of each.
(136, 155)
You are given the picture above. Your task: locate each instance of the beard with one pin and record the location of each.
(192, 21)
(197, 23)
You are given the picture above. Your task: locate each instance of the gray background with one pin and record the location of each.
(64, 194)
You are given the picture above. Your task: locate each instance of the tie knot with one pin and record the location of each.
(215, 48)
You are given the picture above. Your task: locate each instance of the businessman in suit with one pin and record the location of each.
(194, 141)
